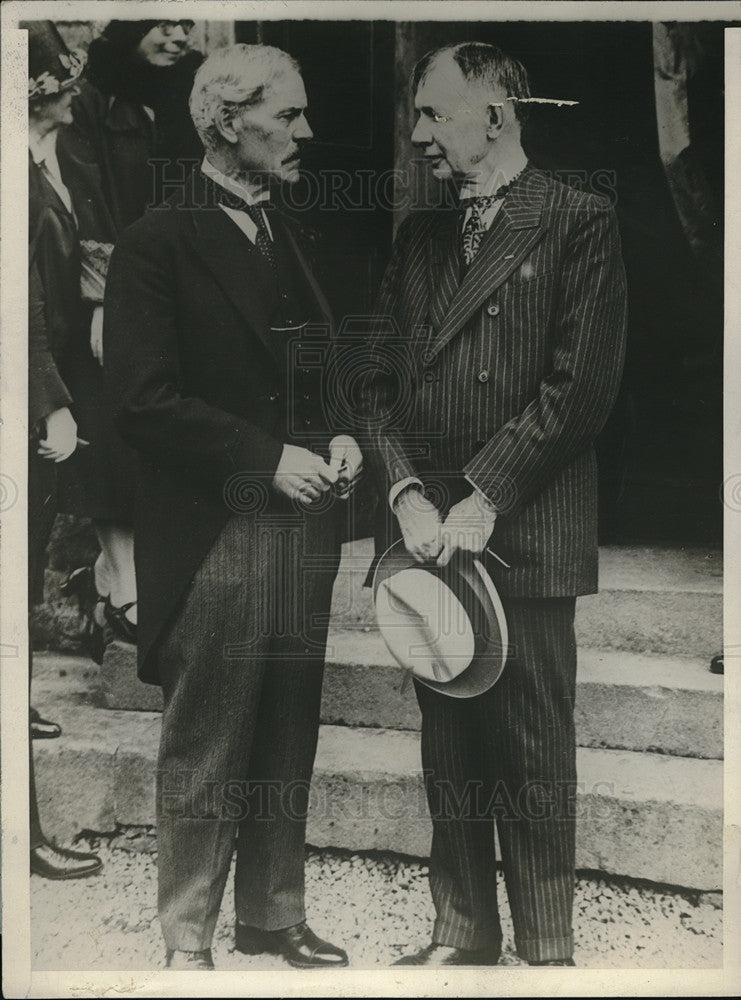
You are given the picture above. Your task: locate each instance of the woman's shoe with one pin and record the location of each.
(42, 729)
(98, 633)
(80, 583)
(119, 624)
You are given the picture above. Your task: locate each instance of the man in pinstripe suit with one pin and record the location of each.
(509, 310)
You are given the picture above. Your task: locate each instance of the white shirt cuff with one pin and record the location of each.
(487, 502)
(399, 487)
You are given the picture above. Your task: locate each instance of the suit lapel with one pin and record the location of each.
(237, 266)
(515, 231)
(321, 302)
(443, 267)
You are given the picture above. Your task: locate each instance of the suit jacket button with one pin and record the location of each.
(307, 421)
(273, 396)
(429, 376)
(483, 376)
(493, 309)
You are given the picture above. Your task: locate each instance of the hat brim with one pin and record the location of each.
(473, 585)
(47, 85)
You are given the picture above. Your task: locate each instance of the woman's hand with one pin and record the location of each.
(61, 436)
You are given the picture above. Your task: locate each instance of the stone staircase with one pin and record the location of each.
(649, 725)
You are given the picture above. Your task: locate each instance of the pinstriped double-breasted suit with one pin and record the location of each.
(500, 379)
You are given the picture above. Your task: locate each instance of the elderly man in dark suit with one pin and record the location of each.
(210, 308)
(509, 308)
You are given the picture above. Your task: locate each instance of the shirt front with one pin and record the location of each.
(240, 218)
(44, 154)
(473, 188)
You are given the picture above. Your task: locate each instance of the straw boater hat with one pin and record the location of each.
(52, 67)
(445, 625)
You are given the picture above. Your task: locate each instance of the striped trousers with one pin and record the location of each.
(241, 671)
(507, 758)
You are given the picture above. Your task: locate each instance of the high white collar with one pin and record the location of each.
(43, 149)
(230, 184)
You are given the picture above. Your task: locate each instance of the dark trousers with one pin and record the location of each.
(242, 675)
(507, 757)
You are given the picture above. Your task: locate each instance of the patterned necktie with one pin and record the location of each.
(263, 241)
(474, 228)
(221, 196)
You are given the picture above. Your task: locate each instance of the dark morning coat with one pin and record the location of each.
(511, 374)
(201, 387)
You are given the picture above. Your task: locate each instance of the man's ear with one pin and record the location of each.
(496, 118)
(224, 122)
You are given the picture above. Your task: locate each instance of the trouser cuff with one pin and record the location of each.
(545, 949)
(452, 935)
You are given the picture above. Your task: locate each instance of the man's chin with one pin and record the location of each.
(290, 172)
(441, 170)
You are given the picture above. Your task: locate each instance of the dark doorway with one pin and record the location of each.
(348, 69)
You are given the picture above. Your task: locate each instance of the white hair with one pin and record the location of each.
(236, 77)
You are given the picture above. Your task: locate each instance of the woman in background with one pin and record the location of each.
(55, 334)
(131, 135)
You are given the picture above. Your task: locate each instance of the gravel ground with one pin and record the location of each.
(377, 906)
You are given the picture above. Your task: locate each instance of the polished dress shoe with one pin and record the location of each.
(438, 956)
(555, 961)
(42, 729)
(299, 945)
(59, 863)
(189, 961)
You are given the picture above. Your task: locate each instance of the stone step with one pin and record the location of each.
(630, 701)
(645, 816)
(651, 600)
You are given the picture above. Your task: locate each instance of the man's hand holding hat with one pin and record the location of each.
(468, 526)
(420, 524)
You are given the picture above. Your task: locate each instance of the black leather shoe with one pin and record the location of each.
(189, 961)
(437, 956)
(42, 729)
(555, 961)
(59, 863)
(299, 945)
(716, 664)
